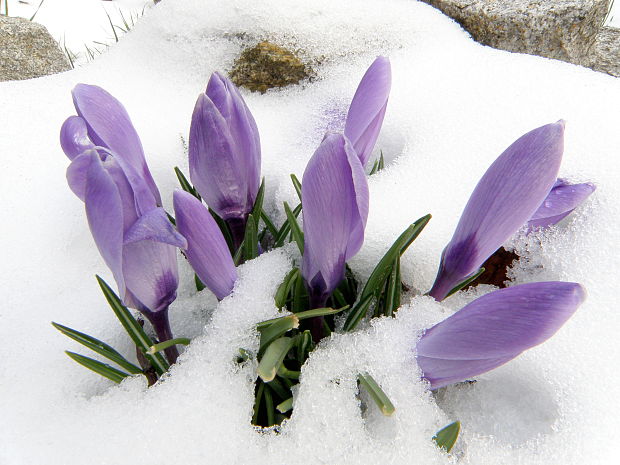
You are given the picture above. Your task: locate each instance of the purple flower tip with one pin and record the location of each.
(505, 198)
(367, 109)
(494, 329)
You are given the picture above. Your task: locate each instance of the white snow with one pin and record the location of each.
(455, 106)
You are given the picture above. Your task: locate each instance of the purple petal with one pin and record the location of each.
(494, 329)
(109, 126)
(74, 137)
(155, 226)
(560, 202)
(207, 250)
(105, 217)
(506, 197)
(335, 198)
(367, 108)
(77, 173)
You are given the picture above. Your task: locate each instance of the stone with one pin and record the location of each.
(267, 65)
(562, 29)
(27, 50)
(607, 51)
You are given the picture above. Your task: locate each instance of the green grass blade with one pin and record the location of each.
(99, 347)
(286, 228)
(465, 283)
(98, 367)
(296, 185)
(169, 343)
(225, 230)
(285, 406)
(250, 240)
(274, 355)
(258, 203)
(376, 393)
(185, 184)
(285, 287)
(298, 234)
(375, 168)
(269, 224)
(276, 329)
(257, 401)
(446, 437)
(394, 287)
(199, 285)
(135, 331)
(358, 312)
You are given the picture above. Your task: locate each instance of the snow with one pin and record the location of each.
(455, 106)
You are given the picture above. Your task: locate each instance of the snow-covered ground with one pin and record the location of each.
(455, 105)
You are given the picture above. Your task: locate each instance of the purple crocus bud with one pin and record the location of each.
(561, 201)
(367, 109)
(494, 329)
(138, 247)
(224, 153)
(103, 121)
(206, 250)
(506, 197)
(335, 198)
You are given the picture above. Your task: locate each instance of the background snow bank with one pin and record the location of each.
(455, 105)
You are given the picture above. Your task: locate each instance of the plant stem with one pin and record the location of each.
(237, 230)
(316, 323)
(161, 325)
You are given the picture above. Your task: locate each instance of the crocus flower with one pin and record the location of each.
(335, 198)
(133, 235)
(494, 329)
(367, 109)
(561, 201)
(506, 197)
(103, 121)
(206, 250)
(224, 153)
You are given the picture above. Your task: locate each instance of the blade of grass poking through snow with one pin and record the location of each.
(285, 288)
(133, 328)
(185, 184)
(285, 406)
(199, 284)
(276, 329)
(376, 393)
(98, 367)
(99, 347)
(269, 224)
(375, 168)
(274, 355)
(381, 162)
(446, 437)
(302, 316)
(394, 287)
(269, 407)
(304, 344)
(250, 241)
(258, 203)
(298, 234)
(357, 313)
(112, 26)
(169, 343)
(35, 12)
(257, 401)
(296, 185)
(285, 229)
(466, 282)
(225, 231)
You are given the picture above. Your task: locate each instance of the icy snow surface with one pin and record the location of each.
(455, 105)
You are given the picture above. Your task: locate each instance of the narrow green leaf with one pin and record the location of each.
(225, 230)
(98, 367)
(135, 331)
(100, 347)
(258, 203)
(274, 355)
(381, 162)
(375, 168)
(277, 387)
(285, 406)
(257, 401)
(300, 297)
(358, 312)
(284, 372)
(394, 287)
(199, 285)
(465, 282)
(286, 228)
(269, 407)
(297, 185)
(285, 287)
(301, 316)
(250, 240)
(446, 437)
(238, 255)
(169, 343)
(304, 345)
(414, 231)
(269, 224)
(376, 393)
(185, 184)
(276, 329)
(296, 231)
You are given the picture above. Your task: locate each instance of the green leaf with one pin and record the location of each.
(381, 162)
(244, 355)
(300, 297)
(304, 345)
(225, 230)
(358, 312)
(276, 329)
(250, 241)
(446, 437)
(98, 367)
(285, 406)
(135, 331)
(296, 185)
(301, 316)
(257, 401)
(286, 228)
(394, 287)
(269, 407)
(100, 347)
(376, 393)
(284, 372)
(273, 357)
(269, 224)
(185, 184)
(279, 389)
(199, 285)
(298, 234)
(375, 168)
(466, 282)
(285, 287)
(169, 343)
(258, 203)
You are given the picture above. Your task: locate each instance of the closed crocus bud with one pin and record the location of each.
(224, 153)
(206, 250)
(137, 244)
(506, 197)
(103, 121)
(561, 201)
(494, 329)
(335, 198)
(367, 109)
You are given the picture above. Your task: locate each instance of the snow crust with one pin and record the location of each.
(455, 106)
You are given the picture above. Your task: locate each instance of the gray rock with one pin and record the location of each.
(607, 51)
(562, 29)
(27, 50)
